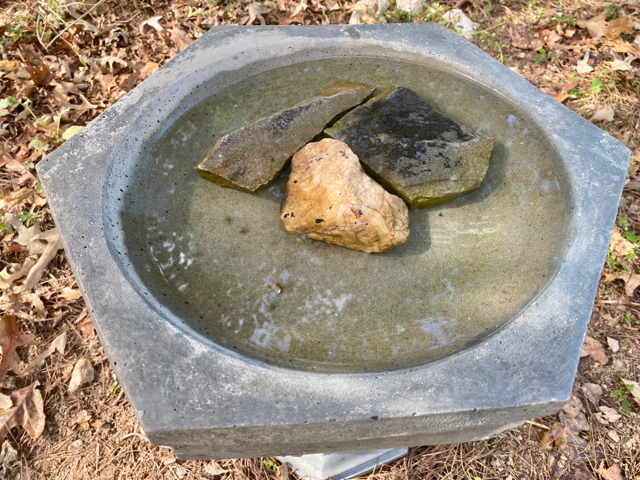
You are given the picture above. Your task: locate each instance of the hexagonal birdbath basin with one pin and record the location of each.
(474, 325)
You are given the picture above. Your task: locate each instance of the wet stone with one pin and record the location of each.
(417, 153)
(330, 198)
(252, 156)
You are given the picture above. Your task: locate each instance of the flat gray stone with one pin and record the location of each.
(417, 153)
(252, 157)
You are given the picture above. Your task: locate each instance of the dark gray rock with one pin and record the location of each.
(252, 157)
(417, 153)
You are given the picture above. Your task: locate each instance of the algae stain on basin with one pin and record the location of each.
(210, 254)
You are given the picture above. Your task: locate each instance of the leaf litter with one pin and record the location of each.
(66, 71)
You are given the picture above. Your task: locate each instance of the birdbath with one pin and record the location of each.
(474, 325)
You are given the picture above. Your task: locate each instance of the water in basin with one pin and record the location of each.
(211, 255)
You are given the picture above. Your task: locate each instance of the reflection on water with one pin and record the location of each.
(212, 255)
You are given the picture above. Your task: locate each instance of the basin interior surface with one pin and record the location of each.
(208, 255)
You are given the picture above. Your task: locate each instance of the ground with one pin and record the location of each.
(63, 63)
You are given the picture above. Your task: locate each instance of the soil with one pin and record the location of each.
(63, 63)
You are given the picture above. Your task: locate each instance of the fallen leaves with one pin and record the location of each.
(45, 244)
(26, 411)
(583, 67)
(610, 414)
(57, 345)
(599, 27)
(612, 473)
(595, 350)
(12, 338)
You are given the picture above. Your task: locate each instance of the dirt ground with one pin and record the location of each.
(63, 63)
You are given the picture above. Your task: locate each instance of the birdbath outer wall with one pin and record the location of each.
(207, 402)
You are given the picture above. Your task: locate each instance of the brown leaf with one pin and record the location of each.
(147, 69)
(35, 301)
(617, 27)
(596, 26)
(592, 392)
(582, 66)
(152, 22)
(57, 345)
(620, 46)
(633, 388)
(631, 283)
(9, 65)
(5, 402)
(611, 473)
(14, 202)
(595, 350)
(26, 412)
(180, 39)
(620, 245)
(70, 294)
(572, 416)
(46, 244)
(11, 338)
(610, 414)
(8, 278)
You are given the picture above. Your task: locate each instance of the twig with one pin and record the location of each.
(536, 424)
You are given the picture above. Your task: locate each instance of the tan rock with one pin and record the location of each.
(83, 373)
(330, 198)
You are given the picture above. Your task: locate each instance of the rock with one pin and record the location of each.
(330, 198)
(253, 156)
(417, 153)
(82, 374)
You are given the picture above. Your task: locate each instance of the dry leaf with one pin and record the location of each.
(11, 338)
(613, 435)
(617, 27)
(572, 416)
(604, 114)
(180, 39)
(26, 412)
(620, 245)
(57, 345)
(109, 61)
(9, 65)
(147, 69)
(596, 26)
(622, 65)
(35, 301)
(611, 473)
(583, 67)
(299, 8)
(631, 283)
(592, 392)
(5, 402)
(620, 46)
(7, 279)
(46, 244)
(614, 344)
(70, 294)
(633, 388)
(595, 350)
(610, 414)
(255, 11)
(14, 202)
(212, 469)
(152, 22)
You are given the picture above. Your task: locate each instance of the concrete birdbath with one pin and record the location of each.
(474, 325)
